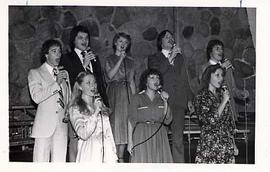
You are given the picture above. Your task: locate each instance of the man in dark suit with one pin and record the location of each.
(170, 63)
(81, 58)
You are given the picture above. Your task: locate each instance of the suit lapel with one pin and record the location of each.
(46, 74)
(77, 62)
(163, 59)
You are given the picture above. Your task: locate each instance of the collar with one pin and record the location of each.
(49, 68)
(165, 52)
(78, 52)
(212, 62)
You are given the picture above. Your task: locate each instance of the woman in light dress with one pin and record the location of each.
(89, 118)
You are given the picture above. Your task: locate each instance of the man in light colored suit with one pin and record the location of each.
(49, 89)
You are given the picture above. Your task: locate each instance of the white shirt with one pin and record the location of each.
(167, 53)
(212, 62)
(50, 69)
(79, 53)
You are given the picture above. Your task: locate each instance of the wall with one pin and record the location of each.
(30, 26)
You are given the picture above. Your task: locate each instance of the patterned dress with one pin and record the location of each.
(89, 129)
(119, 94)
(146, 117)
(216, 139)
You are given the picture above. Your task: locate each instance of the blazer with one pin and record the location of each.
(175, 79)
(44, 92)
(72, 63)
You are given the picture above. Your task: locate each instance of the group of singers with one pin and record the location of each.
(94, 116)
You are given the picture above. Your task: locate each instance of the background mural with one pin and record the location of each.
(30, 26)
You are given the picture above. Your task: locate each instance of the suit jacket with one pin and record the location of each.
(73, 65)
(175, 79)
(44, 92)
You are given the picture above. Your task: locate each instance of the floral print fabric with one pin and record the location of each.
(216, 139)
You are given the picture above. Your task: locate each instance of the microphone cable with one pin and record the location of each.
(102, 136)
(161, 124)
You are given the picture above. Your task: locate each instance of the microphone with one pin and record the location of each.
(226, 59)
(88, 49)
(159, 90)
(103, 108)
(57, 69)
(224, 87)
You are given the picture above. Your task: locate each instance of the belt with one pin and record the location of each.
(150, 122)
(118, 82)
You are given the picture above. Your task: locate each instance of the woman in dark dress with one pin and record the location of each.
(148, 112)
(120, 78)
(216, 144)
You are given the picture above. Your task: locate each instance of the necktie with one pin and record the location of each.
(83, 53)
(60, 92)
(61, 98)
(89, 67)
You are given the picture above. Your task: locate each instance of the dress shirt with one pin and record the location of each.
(50, 69)
(212, 62)
(79, 53)
(167, 54)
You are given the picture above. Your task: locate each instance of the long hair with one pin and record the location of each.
(207, 74)
(124, 35)
(76, 96)
(160, 37)
(210, 46)
(146, 74)
(74, 32)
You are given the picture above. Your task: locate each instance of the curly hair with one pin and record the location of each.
(146, 74)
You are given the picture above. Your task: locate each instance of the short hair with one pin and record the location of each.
(160, 37)
(124, 35)
(146, 74)
(46, 46)
(207, 74)
(210, 46)
(74, 32)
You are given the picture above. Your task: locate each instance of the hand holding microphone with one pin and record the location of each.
(100, 107)
(227, 64)
(226, 94)
(61, 75)
(88, 56)
(98, 104)
(164, 95)
(174, 51)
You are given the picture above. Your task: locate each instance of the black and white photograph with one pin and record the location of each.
(133, 84)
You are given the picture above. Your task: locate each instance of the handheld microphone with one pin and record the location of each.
(88, 49)
(226, 59)
(159, 90)
(224, 88)
(57, 69)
